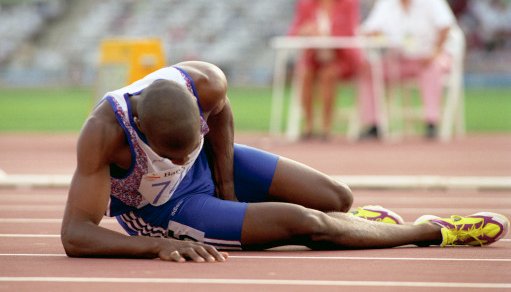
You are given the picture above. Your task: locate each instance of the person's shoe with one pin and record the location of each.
(431, 131)
(377, 213)
(325, 137)
(479, 229)
(370, 133)
(307, 136)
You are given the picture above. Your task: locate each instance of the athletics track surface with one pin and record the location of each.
(32, 257)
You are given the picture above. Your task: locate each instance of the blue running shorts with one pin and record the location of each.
(194, 213)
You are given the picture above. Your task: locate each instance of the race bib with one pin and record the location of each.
(158, 187)
(163, 177)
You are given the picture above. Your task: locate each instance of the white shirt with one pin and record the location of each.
(414, 30)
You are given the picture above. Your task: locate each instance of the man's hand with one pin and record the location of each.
(438, 54)
(181, 251)
(441, 59)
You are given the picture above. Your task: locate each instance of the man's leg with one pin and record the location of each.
(268, 225)
(260, 176)
(294, 182)
(234, 225)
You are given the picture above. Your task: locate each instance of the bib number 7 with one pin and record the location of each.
(164, 185)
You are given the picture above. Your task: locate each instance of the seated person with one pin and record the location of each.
(419, 30)
(323, 67)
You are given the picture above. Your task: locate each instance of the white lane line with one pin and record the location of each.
(56, 220)
(367, 182)
(31, 198)
(45, 220)
(57, 235)
(307, 258)
(257, 282)
(370, 258)
(33, 255)
(42, 206)
(12, 235)
(30, 220)
(426, 182)
(31, 208)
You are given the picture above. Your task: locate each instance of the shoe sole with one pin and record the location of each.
(498, 218)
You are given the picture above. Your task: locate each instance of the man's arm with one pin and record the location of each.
(439, 48)
(87, 202)
(211, 85)
(220, 143)
(304, 23)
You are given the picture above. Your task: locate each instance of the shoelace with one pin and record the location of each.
(461, 235)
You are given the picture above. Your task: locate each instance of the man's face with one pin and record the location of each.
(171, 139)
(178, 155)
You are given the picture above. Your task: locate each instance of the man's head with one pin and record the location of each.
(169, 117)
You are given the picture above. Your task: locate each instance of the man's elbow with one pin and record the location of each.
(73, 245)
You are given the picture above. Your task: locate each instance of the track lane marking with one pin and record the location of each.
(11, 235)
(45, 220)
(15, 235)
(282, 282)
(306, 258)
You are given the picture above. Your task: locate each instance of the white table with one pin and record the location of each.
(285, 45)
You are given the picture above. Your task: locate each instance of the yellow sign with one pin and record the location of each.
(139, 56)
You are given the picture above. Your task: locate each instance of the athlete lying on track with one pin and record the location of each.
(159, 156)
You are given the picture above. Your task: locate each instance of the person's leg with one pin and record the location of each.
(229, 225)
(198, 217)
(260, 176)
(294, 182)
(429, 79)
(327, 79)
(306, 69)
(430, 84)
(366, 100)
(275, 224)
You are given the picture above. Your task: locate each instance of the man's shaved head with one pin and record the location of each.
(169, 115)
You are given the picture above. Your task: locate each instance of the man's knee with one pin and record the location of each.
(343, 195)
(308, 222)
(269, 223)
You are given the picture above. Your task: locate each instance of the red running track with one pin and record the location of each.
(32, 257)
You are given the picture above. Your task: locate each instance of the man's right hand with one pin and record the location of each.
(181, 251)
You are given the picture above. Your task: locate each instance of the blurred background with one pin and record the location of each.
(50, 54)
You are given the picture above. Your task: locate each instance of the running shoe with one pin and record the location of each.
(377, 213)
(479, 229)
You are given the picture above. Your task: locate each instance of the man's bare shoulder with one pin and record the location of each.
(210, 82)
(101, 132)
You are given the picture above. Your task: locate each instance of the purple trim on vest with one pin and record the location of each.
(191, 86)
(126, 188)
(130, 116)
(119, 116)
